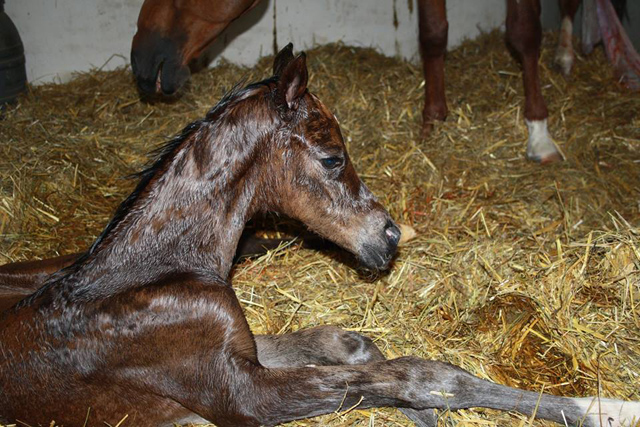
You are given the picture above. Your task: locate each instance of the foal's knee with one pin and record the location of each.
(347, 347)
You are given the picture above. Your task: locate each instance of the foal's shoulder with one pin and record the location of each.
(174, 290)
(179, 308)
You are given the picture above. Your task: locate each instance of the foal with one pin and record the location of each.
(146, 323)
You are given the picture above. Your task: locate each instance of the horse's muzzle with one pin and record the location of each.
(157, 66)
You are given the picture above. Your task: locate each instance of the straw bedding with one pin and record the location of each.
(526, 275)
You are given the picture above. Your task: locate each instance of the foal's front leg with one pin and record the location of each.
(229, 385)
(321, 346)
(275, 396)
(326, 346)
(446, 386)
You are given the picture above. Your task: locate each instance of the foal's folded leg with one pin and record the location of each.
(325, 346)
(291, 392)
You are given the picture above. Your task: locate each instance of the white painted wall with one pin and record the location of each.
(62, 36)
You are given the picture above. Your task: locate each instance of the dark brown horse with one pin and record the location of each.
(145, 323)
(172, 34)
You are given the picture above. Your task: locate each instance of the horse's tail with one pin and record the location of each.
(621, 9)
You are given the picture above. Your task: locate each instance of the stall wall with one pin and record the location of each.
(63, 36)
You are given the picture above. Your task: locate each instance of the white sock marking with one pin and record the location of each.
(564, 54)
(541, 147)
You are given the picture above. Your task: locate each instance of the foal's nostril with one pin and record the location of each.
(392, 232)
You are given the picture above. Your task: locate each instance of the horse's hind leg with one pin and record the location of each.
(325, 346)
(524, 34)
(564, 54)
(31, 274)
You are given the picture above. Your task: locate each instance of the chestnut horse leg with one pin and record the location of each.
(564, 54)
(524, 34)
(327, 346)
(434, 30)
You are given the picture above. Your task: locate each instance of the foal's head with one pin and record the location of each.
(314, 180)
(272, 146)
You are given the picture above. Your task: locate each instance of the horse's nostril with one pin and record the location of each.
(392, 232)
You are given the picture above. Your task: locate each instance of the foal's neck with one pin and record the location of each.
(189, 212)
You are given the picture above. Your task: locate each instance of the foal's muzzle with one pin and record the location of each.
(378, 251)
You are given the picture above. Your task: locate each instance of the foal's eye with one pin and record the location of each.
(331, 162)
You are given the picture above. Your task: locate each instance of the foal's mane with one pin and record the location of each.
(161, 158)
(162, 155)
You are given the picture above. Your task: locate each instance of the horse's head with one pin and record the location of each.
(313, 178)
(172, 33)
(157, 58)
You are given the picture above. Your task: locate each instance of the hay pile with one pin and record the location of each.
(526, 275)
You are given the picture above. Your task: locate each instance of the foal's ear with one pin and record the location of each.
(282, 59)
(293, 82)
